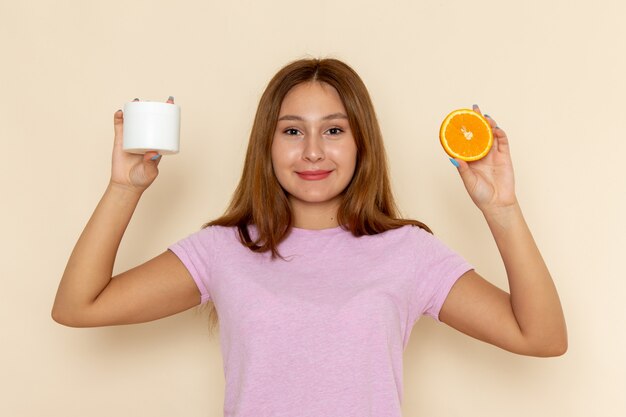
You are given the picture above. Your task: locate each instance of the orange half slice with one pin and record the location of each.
(466, 135)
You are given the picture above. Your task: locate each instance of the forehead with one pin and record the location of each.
(312, 96)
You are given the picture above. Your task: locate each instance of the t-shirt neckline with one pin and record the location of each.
(327, 231)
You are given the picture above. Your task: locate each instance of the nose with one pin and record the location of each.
(313, 149)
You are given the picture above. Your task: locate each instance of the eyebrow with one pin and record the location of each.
(329, 117)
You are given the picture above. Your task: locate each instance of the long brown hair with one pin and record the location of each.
(367, 206)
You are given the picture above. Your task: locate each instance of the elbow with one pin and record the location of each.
(560, 343)
(556, 347)
(65, 318)
(552, 351)
(559, 349)
(60, 318)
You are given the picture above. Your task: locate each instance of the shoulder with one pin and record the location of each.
(219, 231)
(400, 242)
(419, 241)
(407, 233)
(210, 235)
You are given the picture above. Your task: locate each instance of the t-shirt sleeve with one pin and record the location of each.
(197, 253)
(437, 269)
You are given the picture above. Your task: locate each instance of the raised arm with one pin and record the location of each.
(530, 319)
(88, 295)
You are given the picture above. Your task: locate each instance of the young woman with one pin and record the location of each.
(315, 280)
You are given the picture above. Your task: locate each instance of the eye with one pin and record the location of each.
(291, 131)
(335, 130)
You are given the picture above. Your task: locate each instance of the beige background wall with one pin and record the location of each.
(550, 72)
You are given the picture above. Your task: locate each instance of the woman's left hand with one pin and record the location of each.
(489, 181)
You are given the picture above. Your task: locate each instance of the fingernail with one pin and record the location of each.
(136, 99)
(486, 115)
(155, 157)
(171, 98)
(455, 163)
(474, 105)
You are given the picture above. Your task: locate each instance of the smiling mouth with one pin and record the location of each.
(313, 175)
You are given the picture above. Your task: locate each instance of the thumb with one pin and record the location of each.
(152, 156)
(467, 176)
(461, 165)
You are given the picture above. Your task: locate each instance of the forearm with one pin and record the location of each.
(533, 295)
(90, 266)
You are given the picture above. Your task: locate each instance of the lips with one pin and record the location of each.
(314, 175)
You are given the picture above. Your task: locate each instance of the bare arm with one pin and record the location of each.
(88, 295)
(530, 319)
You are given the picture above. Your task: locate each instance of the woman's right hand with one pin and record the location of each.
(88, 295)
(134, 172)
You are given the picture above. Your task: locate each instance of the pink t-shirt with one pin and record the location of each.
(323, 333)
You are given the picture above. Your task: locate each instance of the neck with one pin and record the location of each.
(314, 215)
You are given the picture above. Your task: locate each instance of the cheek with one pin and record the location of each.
(344, 154)
(280, 164)
(350, 158)
(284, 156)
(276, 154)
